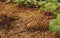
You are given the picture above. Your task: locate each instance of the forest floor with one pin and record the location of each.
(19, 28)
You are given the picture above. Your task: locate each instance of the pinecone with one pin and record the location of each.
(40, 24)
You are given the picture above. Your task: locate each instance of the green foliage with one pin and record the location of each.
(52, 1)
(51, 5)
(35, 2)
(54, 24)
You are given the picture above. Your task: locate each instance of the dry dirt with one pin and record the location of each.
(26, 22)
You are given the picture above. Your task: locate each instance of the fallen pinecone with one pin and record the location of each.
(38, 24)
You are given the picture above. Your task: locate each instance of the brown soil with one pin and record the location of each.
(20, 22)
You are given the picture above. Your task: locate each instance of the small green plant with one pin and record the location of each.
(51, 5)
(55, 24)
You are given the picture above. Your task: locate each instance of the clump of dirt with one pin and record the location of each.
(5, 22)
(27, 19)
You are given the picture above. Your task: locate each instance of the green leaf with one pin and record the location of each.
(52, 1)
(54, 25)
(58, 17)
(15, 0)
(41, 2)
(52, 22)
(28, 0)
(34, 2)
(51, 5)
(55, 28)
